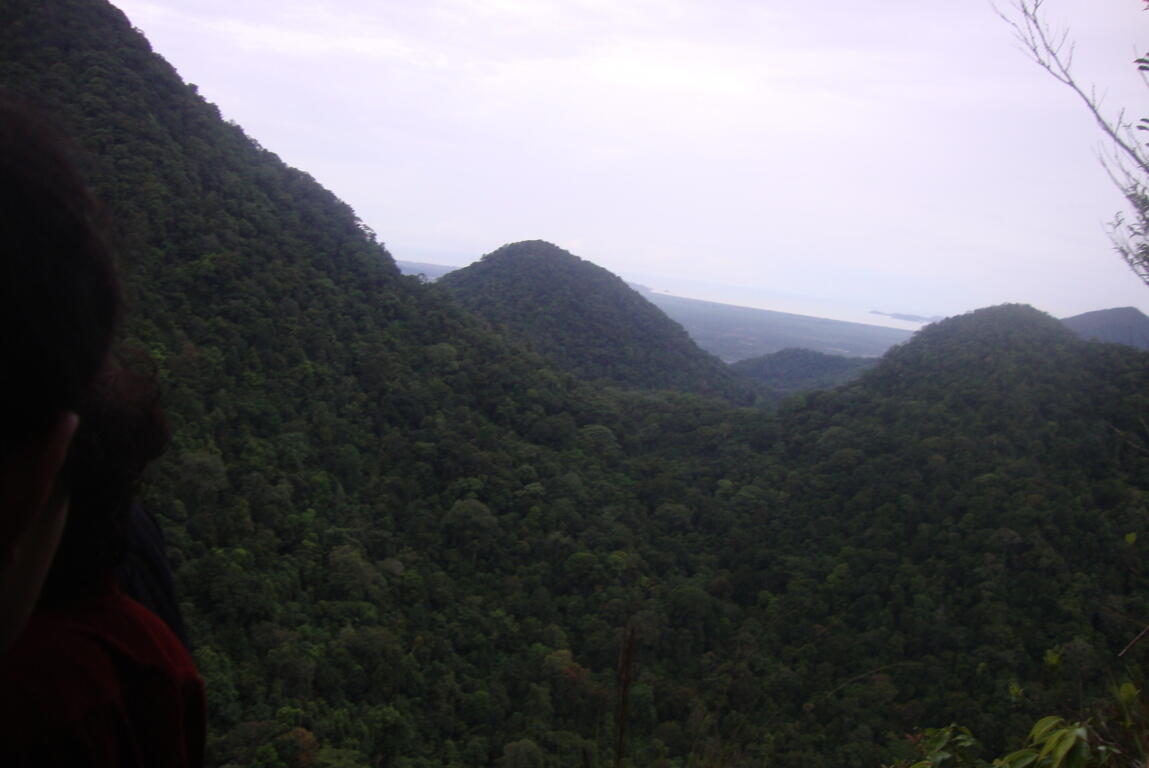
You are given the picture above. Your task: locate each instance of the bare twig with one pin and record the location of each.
(1129, 168)
(1053, 52)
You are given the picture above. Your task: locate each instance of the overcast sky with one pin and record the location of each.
(831, 156)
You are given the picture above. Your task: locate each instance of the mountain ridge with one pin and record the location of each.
(1120, 325)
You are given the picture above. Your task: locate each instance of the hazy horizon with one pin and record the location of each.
(905, 158)
(745, 296)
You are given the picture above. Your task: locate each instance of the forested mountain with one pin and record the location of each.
(961, 541)
(404, 540)
(796, 370)
(1121, 325)
(587, 321)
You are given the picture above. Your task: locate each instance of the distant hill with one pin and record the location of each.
(1121, 325)
(587, 320)
(797, 370)
(736, 333)
(944, 357)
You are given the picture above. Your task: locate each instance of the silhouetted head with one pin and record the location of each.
(59, 305)
(59, 297)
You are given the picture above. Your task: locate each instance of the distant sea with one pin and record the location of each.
(760, 298)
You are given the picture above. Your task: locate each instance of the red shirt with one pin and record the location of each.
(100, 682)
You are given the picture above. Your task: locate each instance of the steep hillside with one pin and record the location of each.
(1121, 325)
(404, 540)
(587, 320)
(796, 370)
(340, 434)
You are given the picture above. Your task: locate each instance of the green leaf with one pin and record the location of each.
(1042, 727)
(1078, 757)
(1065, 740)
(1019, 759)
(1131, 538)
(1052, 742)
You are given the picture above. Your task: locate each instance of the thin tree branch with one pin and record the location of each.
(1054, 54)
(1133, 642)
(1129, 166)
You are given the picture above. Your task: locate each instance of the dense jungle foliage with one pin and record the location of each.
(588, 321)
(403, 539)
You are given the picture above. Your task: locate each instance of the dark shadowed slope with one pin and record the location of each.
(1121, 325)
(587, 320)
(796, 370)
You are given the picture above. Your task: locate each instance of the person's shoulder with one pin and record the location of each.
(83, 671)
(57, 653)
(140, 636)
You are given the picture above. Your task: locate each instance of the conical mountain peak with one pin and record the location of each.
(587, 320)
